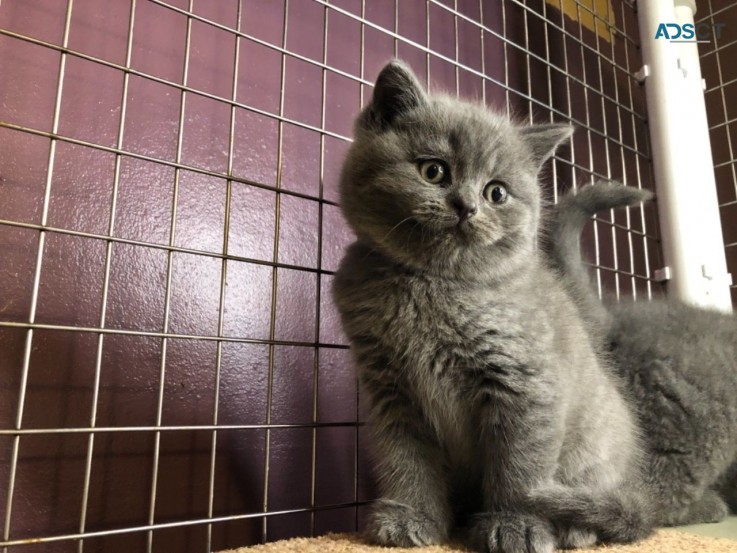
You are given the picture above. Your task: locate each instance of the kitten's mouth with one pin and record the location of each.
(463, 223)
(463, 230)
(449, 227)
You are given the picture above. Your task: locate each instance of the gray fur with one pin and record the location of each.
(487, 400)
(680, 365)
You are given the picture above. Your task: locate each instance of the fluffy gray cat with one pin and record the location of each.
(491, 407)
(679, 363)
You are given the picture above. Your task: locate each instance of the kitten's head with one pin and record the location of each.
(442, 185)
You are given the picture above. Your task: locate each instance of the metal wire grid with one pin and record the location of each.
(572, 36)
(717, 61)
(595, 92)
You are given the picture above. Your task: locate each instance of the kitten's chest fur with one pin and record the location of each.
(437, 336)
(434, 329)
(431, 329)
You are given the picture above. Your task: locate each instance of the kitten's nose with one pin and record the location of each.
(466, 209)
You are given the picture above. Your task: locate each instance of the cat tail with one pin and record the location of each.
(561, 241)
(616, 516)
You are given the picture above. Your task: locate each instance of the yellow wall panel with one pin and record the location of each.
(595, 15)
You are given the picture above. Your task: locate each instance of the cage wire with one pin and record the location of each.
(172, 372)
(721, 84)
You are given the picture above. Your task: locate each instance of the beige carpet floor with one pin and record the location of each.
(663, 541)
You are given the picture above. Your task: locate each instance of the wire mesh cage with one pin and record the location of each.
(721, 82)
(172, 372)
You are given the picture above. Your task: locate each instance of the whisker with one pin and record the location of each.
(395, 227)
(411, 230)
(387, 234)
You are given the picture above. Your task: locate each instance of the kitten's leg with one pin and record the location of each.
(414, 509)
(618, 515)
(727, 487)
(520, 450)
(730, 497)
(512, 532)
(710, 507)
(574, 538)
(690, 490)
(729, 493)
(518, 462)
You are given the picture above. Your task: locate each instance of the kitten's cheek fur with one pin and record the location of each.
(395, 524)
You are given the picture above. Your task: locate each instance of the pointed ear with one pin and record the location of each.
(543, 140)
(396, 92)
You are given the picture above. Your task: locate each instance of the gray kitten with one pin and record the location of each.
(679, 363)
(489, 404)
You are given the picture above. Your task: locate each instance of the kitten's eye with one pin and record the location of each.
(496, 192)
(433, 171)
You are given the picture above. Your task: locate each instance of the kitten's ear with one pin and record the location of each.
(396, 92)
(543, 140)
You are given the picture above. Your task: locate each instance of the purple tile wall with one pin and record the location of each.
(168, 236)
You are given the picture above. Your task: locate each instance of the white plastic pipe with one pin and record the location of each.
(693, 245)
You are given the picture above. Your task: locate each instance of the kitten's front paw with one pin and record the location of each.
(505, 532)
(395, 524)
